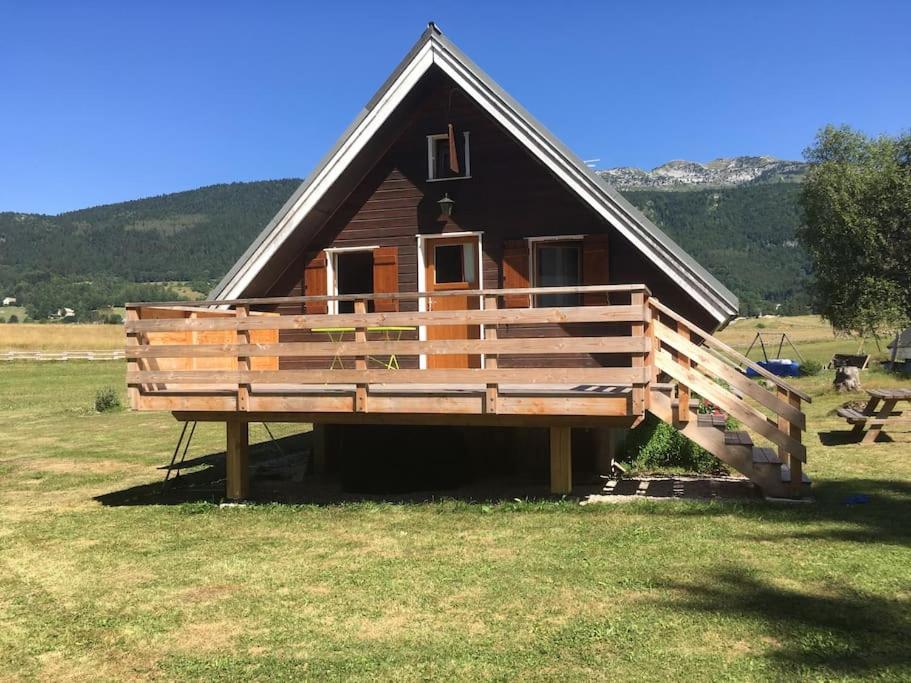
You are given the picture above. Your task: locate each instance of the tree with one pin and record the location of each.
(857, 229)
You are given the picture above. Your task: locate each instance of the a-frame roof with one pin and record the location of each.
(312, 200)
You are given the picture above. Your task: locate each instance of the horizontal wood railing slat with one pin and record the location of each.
(265, 301)
(738, 381)
(581, 314)
(522, 346)
(721, 346)
(729, 403)
(620, 376)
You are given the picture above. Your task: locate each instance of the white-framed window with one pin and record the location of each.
(438, 166)
(349, 270)
(556, 262)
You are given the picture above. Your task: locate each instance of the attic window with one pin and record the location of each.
(438, 157)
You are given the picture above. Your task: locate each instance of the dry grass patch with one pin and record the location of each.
(207, 636)
(59, 337)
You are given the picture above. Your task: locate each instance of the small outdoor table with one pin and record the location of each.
(391, 333)
(876, 418)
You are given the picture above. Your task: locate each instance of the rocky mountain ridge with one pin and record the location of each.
(722, 172)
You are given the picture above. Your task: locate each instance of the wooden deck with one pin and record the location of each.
(595, 365)
(198, 359)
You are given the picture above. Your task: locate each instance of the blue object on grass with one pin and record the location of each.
(783, 367)
(857, 499)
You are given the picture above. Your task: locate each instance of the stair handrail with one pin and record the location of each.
(694, 368)
(719, 345)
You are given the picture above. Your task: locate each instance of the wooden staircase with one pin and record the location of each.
(701, 365)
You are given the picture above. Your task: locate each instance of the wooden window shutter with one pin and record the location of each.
(515, 272)
(385, 277)
(595, 267)
(315, 282)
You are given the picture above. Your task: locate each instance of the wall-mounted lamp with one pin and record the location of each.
(446, 205)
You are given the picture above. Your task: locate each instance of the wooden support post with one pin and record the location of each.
(360, 361)
(638, 330)
(875, 428)
(561, 468)
(783, 426)
(607, 440)
(490, 360)
(133, 365)
(243, 362)
(237, 460)
(318, 448)
(683, 391)
(796, 465)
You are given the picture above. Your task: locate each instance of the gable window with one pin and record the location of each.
(439, 159)
(557, 264)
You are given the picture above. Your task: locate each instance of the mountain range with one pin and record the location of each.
(722, 172)
(738, 219)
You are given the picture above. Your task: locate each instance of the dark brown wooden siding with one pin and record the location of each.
(510, 196)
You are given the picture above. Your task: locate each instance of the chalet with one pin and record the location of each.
(451, 264)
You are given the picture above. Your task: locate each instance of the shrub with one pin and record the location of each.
(107, 400)
(13, 318)
(655, 445)
(810, 368)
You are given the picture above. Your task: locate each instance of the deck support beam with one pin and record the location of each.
(561, 466)
(237, 460)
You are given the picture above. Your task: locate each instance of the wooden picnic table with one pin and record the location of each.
(875, 417)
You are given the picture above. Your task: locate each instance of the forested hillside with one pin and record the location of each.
(182, 236)
(744, 235)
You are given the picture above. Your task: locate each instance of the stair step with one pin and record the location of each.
(765, 455)
(737, 439)
(786, 476)
(712, 420)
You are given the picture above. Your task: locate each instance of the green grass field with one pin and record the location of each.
(531, 590)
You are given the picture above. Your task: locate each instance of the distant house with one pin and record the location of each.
(66, 313)
(900, 347)
(9, 301)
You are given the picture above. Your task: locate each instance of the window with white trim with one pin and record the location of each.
(439, 160)
(557, 263)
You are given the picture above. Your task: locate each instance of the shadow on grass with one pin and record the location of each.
(848, 438)
(839, 437)
(281, 474)
(840, 634)
(853, 510)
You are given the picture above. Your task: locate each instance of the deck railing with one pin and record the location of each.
(702, 364)
(251, 345)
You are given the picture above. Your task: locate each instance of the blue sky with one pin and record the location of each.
(108, 101)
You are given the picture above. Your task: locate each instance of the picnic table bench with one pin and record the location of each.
(875, 417)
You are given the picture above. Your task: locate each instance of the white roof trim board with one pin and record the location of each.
(434, 49)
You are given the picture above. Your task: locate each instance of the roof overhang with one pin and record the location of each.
(434, 49)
